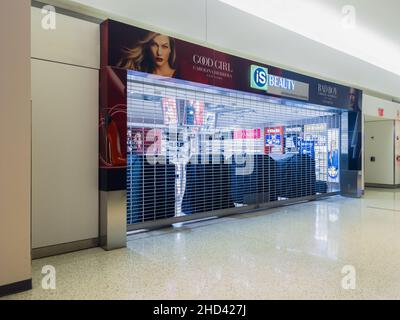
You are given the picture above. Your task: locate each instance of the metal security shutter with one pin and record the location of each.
(194, 149)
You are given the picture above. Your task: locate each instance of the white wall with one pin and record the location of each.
(230, 28)
(385, 145)
(65, 80)
(379, 143)
(15, 142)
(371, 106)
(65, 153)
(74, 41)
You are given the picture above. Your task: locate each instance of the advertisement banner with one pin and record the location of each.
(128, 47)
(113, 125)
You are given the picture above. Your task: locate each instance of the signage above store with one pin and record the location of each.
(128, 47)
(260, 79)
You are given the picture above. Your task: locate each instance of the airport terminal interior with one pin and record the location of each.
(198, 158)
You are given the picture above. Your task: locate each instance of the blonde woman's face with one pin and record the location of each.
(160, 50)
(138, 138)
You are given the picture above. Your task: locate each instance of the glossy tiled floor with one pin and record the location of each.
(295, 252)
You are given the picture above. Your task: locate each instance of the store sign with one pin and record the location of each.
(261, 79)
(307, 148)
(327, 91)
(244, 134)
(274, 140)
(212, 63)
(125, 46)
(293, 129)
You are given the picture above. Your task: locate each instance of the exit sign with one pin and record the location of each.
(381, 112)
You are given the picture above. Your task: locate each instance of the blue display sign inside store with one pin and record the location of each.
(307, 148)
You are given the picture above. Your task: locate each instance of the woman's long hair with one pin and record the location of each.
(139, 57)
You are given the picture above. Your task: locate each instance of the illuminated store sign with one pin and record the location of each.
(124, 46)
(260, 79)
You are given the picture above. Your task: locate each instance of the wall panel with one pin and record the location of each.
(379, 143)
(74, 41)
(65, 153)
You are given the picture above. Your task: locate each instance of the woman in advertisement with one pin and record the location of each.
(155, 54)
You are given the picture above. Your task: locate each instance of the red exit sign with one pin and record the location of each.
(381, 112)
